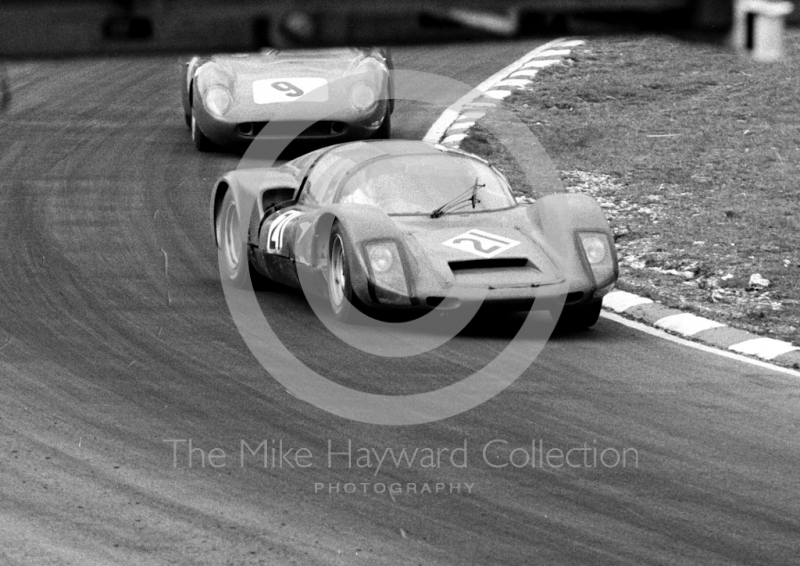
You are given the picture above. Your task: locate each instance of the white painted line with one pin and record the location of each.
(554, 53)
(572, 43)
(541, 64)
(519, 83)
(461, 125)
(525, 73)
(686, 324)
(455, 138)
(620, 301)
(481, 105)
(766, 348)
(437, 131)
(695, 345)
(476, 115)
(439, 127)
(499, 94)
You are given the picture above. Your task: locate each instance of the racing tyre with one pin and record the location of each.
(231, 245)
(385, 131)
(580, 316)
(201, 142)
(340, 288)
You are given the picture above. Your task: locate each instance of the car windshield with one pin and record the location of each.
(419, 184)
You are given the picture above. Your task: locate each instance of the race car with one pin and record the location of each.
(409, 225)
(339, 94)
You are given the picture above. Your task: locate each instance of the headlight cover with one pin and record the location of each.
(218, 100)
(381, 258)
(363, 96)
(387, 274)
(372, 75)
(597, 251)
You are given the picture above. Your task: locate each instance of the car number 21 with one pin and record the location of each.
(480, 243)
(305, 89)
(277, 229)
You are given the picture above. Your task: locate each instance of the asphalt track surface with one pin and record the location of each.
(115, 337)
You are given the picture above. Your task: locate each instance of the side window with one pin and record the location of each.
(275, 196)
(324, 178)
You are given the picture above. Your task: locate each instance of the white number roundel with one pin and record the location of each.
(305, 89)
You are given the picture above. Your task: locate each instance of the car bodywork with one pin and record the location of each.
(340, 94)
(509, 251)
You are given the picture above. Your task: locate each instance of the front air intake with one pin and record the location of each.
(495, 263)
(498, 273)
(300, 129)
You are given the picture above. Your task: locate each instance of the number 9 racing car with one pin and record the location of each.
(409, 224)
(340, 94)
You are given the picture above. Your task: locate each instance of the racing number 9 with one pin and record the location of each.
(288, 88)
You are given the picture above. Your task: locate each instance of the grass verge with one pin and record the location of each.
(694, 153)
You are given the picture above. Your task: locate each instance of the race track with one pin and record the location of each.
(117, 349)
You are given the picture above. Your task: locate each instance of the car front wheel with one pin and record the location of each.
(340, 288)
(201, 142)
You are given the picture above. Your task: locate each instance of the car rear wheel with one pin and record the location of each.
(201, 142)
(232, 246)
(580, 316)
(340, 287)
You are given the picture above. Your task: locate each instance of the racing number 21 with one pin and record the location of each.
(480, 243)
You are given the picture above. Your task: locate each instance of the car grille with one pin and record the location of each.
(321, 129)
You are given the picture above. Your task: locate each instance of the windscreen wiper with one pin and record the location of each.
(470, 195)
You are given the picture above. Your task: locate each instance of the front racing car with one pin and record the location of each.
(448, 231)
(404, 225)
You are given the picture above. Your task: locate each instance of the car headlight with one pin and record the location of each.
(594, 245)
(218, 100)
(362, 96)
(597, 250)
(381, 258)
(387, 273)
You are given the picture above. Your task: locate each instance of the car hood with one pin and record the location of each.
(493, 250)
